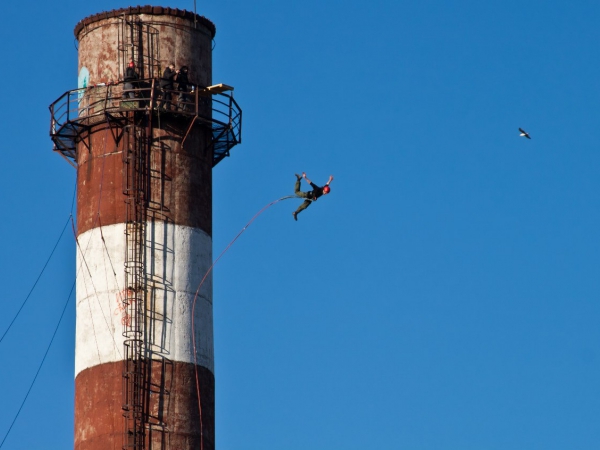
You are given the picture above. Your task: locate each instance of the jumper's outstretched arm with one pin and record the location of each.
(310, 182)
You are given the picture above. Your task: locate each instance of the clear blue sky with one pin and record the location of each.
(443, 297)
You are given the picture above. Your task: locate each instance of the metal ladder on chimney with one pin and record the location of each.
(138, 41)
(135, 188)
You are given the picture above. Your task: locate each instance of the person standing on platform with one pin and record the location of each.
(131, 76)
(166, 86)
(183, 87)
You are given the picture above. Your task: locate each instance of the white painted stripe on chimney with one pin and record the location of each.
(177, 258)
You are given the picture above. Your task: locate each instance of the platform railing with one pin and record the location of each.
(74, 112)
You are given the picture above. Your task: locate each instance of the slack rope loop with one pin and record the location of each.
(196, 297)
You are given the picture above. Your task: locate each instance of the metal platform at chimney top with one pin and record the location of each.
(75, 112)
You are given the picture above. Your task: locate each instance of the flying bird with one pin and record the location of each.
(524, 133)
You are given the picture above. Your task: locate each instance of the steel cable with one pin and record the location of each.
(40, 366)
(38, 279)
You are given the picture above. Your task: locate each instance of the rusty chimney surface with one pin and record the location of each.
(147, 10)
(144, 363)
(108, 40)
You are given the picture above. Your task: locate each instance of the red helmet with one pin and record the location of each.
(131, 64)
(326, 189)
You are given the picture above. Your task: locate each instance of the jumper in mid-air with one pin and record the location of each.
(310, 196)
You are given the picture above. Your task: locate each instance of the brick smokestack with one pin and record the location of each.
(144, 231)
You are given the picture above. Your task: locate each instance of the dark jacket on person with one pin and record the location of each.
(182, 81)
(316, 192)
(130, 74)
(166, 81)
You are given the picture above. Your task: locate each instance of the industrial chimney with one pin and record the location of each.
(144, 152)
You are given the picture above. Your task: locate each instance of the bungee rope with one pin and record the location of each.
(196, 297)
